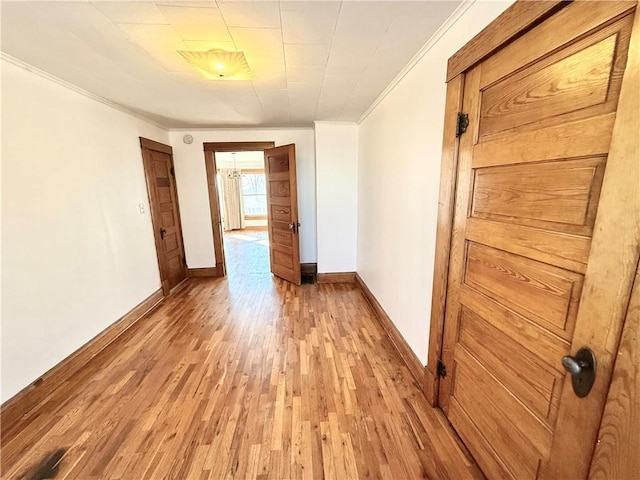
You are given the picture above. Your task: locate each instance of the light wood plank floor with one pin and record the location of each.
(246, 251)
(243, 377)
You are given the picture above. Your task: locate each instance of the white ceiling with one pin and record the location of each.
(313, 60)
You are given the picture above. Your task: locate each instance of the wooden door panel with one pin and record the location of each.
(164, 195)
(284, 246)
(502, 356)
(564, 193)
(531, 170)
(278, 163)
(171, 243)
(167, 219)
(558, 32)
(583, 138)
(533, 96)
(545, 295)
(281, 213)
(521, 438)
(539, 342)
(280, 188)
(486, 457)
(556, 248)
(283, 238)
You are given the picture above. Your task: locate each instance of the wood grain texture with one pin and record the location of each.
(557, 248)
(410, 359)
(282, 203)
(548, 296)
(566, 26)
(522, 287)
(204, 272)
(583, 138)
(337, 277)
(165, 212)
(550, 196)
(446, 199)
(245, 377)
(23, 408)
(619, 437)
(538, 95)
(615, 250)
(157, 146)
(471, 103)
(237, 146)
(214, 209)
(512, 22)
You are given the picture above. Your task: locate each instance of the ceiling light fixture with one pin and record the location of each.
(235, 173)
(219, 64)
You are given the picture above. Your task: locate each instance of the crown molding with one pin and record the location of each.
(69, 86)
(444, 28)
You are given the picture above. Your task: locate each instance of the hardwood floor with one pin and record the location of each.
(246, 251)
(242, 377)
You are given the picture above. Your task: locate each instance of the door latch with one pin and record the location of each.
(582, 368)
(294, 227)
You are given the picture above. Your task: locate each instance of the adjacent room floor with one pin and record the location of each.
(243, 377)
(246, 251)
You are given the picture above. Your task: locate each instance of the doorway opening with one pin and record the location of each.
(280, 180)
(242, 190)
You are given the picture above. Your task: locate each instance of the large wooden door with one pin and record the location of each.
(536, 268)
(165, 214)
(282, 202)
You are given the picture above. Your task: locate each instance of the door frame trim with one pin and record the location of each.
(148, 144)
(210, 150)
(514, 22)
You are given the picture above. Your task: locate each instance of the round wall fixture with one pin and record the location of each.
(188, 139)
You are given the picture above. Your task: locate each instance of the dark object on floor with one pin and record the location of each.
(49, 467)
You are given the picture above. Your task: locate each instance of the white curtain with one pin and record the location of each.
(233, 217)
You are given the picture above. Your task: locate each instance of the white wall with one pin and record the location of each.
(191, 178)
(400, 145)
(240, 160)
(337, 195)
(76, 253)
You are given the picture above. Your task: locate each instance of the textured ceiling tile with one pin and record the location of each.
(205, 45)
(197, 23)
(306, 55)
(266, 65)
(313, 7)
(118, 52)
(309, 75)
(305, 27)
(186, 3)
(258, 41)
(161, 42)
(251, 14)
(267, 82)
(131, 12)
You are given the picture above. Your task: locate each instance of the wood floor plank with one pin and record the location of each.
(244, 377)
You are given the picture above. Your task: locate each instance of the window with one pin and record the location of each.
(254, 193)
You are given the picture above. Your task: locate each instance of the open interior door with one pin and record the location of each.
(282, 203)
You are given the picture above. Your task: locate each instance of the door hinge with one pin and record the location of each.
(463, 123)
(441, 369)
(173, 172)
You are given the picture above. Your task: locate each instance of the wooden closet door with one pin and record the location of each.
(536, 268)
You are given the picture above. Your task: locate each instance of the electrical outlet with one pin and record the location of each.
(141, 207)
